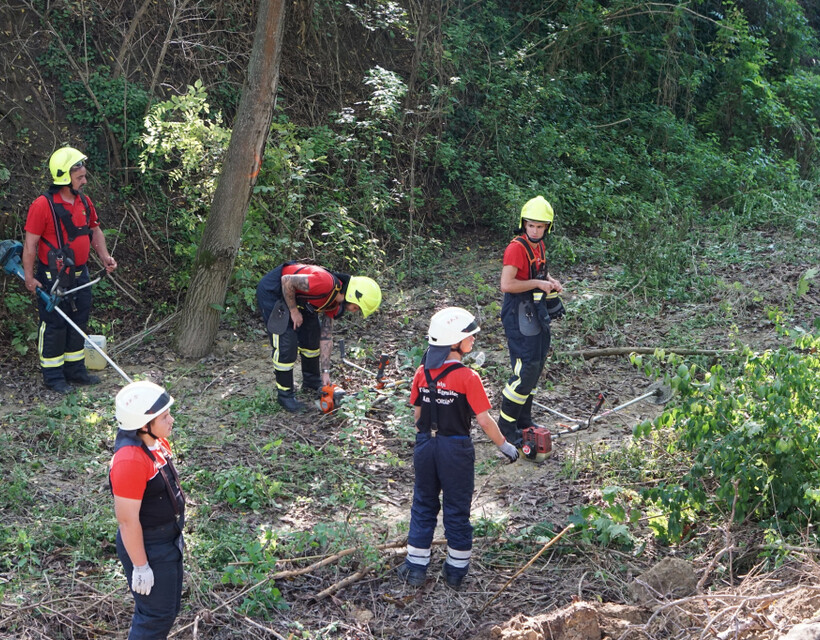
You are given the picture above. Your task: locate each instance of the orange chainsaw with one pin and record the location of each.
(331, 397)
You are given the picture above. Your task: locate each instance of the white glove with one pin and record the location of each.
(142, 579)
(510, 451)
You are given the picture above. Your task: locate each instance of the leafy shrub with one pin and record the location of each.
(752, 439)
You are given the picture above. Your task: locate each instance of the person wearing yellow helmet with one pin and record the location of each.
(299, 303)
(530, 303)
(61, 228)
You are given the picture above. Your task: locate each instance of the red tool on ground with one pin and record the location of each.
(331, 397)
(537, 441)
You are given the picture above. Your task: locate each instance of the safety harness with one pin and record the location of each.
(432, 388)
(535, 273)
(177, 498)
(61, 258)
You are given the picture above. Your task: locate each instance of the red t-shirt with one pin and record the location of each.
(40, 222)
(132, 469)
(321, 285)
(516, 255)
(460, 394)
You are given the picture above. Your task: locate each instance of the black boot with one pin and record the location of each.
(60, 386)
(81, 377)
(54, 379)
(525, 417)
(288, 400)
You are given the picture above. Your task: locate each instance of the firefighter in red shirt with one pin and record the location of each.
(446, 395)
(299, 303)
(150, 508)
(531, 302)
(61, 228)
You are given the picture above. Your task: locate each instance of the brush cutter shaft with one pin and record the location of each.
(556, 413)
(624, 405)
(45, 296)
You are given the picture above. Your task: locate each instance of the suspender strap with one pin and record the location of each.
(433, 390)
(161, 469)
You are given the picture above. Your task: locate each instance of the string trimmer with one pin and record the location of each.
(537, 441)
(10, 253)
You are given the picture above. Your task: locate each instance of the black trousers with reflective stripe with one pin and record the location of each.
(61, 348)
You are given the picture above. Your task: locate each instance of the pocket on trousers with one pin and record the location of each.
(528, 322)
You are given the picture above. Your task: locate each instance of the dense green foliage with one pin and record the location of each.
(750, 429)
(630, 119)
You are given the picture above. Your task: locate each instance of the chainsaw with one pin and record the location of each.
(331, 397)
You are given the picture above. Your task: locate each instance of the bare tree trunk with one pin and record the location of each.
(199, 318)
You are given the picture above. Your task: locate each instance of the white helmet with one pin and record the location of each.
(450, 326)
(140, 402)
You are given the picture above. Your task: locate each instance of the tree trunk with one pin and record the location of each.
(199, 318)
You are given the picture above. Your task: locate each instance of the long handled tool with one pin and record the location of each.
(10, 252)
(537, 441)
(656, 393)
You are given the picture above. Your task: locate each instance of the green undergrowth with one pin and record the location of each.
(736, 447)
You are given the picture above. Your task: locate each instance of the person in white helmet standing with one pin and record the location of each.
(150, 508)
(446, 395)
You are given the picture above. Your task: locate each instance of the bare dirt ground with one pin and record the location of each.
(573, 583)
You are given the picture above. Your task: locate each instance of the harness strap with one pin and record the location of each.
(59, 212)
(534, 271)
(432, 387)
(331, 297)
(161, 470)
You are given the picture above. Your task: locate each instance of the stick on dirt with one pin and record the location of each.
(524, 568)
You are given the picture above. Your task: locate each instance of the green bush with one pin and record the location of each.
(752, 436)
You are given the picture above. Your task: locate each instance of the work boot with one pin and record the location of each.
(83, 378)
(288, 400)
(60, 386)
(413, 574)
(453, 580)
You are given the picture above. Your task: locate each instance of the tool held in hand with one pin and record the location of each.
(331, 396)
(10, 253)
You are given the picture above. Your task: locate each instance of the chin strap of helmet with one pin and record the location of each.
(149, 432)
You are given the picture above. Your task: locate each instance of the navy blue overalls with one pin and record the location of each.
(527, 327)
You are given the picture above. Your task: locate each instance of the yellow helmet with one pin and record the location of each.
(537, 210)
(365, 293)
(62, 162)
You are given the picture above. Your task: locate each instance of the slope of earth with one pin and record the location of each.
(273, 494)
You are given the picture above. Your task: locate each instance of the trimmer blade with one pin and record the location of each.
(662, 393)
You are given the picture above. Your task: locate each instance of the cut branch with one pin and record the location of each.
(620, 351)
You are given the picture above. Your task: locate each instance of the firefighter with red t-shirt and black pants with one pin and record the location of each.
(61, 228)
(150, 508)
(446, 395)
(530, 303)
(299, 303)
